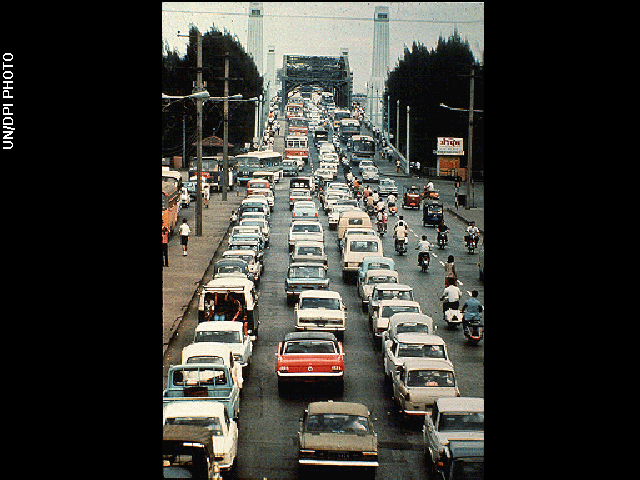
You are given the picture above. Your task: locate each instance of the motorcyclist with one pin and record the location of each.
(423, 248)
(442, 228)
(382, 220)
(472, 232)
(470, 309)
(400, 231)
(450, 296)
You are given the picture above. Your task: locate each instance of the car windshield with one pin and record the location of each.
(206, 359)
(306, 272)
(381, 279)
(309, 251)
(305, 228)
(310, 346)
(430, 378)
(324, 303)
(461, 422)
(220, 336)
(388, 311)
(395, 295)
(412, 327)
(338, 423)
(420, 350)
(210, 423)
(363, 246)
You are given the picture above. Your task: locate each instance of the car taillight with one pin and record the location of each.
(336, 368)
(407, 397)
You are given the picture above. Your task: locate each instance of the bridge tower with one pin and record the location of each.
(379, 65)
(254, 37)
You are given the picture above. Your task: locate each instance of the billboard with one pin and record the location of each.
(450, 146)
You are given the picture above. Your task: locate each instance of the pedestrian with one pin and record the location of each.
(184, 236)
(418, 168)
(398, 166)
(205, 194)
(450, 271)
(165, 246)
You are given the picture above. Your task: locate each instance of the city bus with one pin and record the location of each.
(348, 128)
(296, 146)
(250, 162)
(298, 126)
(294, 110)
(363, 147)
(170, 202)
(212, 169)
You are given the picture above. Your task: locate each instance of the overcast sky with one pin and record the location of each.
(285, 27)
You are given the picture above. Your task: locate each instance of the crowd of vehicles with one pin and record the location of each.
(311, 356)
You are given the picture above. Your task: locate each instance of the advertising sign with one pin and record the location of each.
(450, 146)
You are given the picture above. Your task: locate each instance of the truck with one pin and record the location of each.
(203, 381)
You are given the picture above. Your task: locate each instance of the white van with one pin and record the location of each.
(355, 249)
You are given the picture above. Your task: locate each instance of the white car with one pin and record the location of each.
(370, 174)
(213, 416)
(412, 345)
(230, 333)
(307, 229)
(386, 309)
(334, 214)
(211, 352)
(321, 310)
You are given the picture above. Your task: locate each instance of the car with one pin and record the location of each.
(304, 276)
(262, 224)
(322, 311)
(357, 247)
(411, 345)
(334, 214)
(304, 209)
(306, 229)
(366, 163)
(214, 417)
(466, 460)
(296, 194)
(452, 419)
(374, 262)
(213, 352)
(408, 323)
(387, 186)
(419, 382)
(370, 174)
(308, 251)
(232, 267)
(371, 278)
(249, 256)
(388, 291)
(229, 333)
(310, 357)
(386, 309)
(337, 434)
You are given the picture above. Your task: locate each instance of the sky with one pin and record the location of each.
(287, 26)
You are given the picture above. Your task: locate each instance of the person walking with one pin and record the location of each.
(184, 236)
(165, 246)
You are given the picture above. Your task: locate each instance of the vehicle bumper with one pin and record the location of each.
(311, 376)
(339, 463)
(318, 328)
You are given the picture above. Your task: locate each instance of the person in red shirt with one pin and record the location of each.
(165, 246)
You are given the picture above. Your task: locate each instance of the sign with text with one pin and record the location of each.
(450, 146)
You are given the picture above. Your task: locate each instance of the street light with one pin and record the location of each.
(198, 95)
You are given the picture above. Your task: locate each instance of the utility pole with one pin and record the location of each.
(199, 101)
(470, 144)
(398, 125)
(408, 167)
(225, 136)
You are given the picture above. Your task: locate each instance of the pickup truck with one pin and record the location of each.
(203, 381)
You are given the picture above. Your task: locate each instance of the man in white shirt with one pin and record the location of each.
(451, 297)
(472, 232)
(423, 248)
(184, 236)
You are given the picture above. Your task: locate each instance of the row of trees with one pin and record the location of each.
(178, 78)
(424, 79)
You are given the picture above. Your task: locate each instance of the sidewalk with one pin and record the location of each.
(180, 280)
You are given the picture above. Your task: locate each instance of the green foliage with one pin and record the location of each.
(179, 75)
(425, 78)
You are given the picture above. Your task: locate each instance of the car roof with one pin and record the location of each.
(416, 363)
(291, 336)
(306, 264)
(409, 317)
(208, 348)
(399, 303)
(219, 325)
(423, 338)
(382, 271)
(320, 293)
(392, 286)
(221, 283)
(460, 404)
(195, 408)
(350, 408)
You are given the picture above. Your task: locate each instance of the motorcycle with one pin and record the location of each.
(453, 318)
(371, 210)
(382, 227)
(424, 261)
(442, 240)
(471, 244)
(393, 210)
(474, 331)
(401, 247)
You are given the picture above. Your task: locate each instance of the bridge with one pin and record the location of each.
(331, 73)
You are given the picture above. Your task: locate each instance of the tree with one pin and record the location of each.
(425, 78)
(178, 76)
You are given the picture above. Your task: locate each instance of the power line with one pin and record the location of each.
(298, 17)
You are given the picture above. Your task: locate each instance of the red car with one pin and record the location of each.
(310, 357)
(411, 197)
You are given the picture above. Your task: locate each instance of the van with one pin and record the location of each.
(355, 249)
(354, 218)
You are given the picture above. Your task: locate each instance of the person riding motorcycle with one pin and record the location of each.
(400, 231)
(382, 220)
(472, 232)
(442, 228)
(423, 248)
(470, 309)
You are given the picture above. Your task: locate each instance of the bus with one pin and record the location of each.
(294, 110)
(298, 126)
(363, 147)
(250, 162)
(170, 202)
(348, 128)
(296, 146)
(212, 169)
(169, 175)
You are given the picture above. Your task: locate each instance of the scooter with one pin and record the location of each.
(442, 240)
(393, 210)
(453, 318)
(471, 244)
(474, 331)
(382, 227)
(424, 262)
(401, 247)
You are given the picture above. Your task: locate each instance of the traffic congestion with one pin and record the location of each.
(343, 329)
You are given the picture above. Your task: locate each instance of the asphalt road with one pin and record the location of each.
(268, 423)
